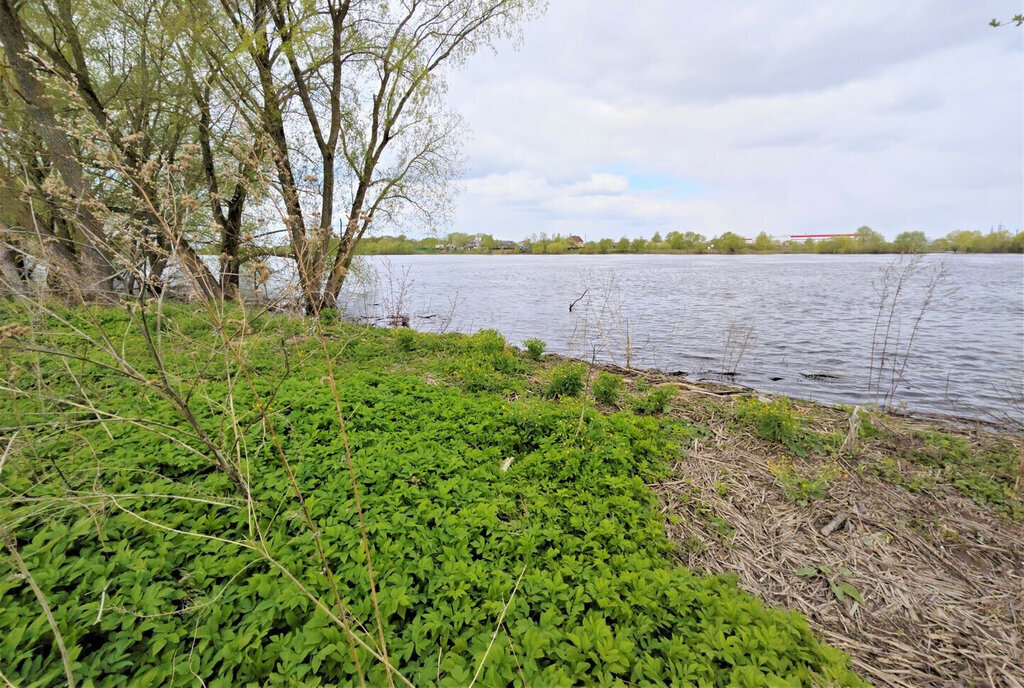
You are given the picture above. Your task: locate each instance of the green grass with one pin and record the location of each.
(987, 476)
(777, 420)
(431, 422)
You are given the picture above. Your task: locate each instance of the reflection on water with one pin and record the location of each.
(809, 320)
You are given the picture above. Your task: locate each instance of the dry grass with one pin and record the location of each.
(942, 578)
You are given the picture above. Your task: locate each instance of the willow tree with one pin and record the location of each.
(402, 150)
(79, 261)
(167, 122)
(347, 95)
(127, 96)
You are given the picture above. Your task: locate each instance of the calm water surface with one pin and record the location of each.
(808, 321)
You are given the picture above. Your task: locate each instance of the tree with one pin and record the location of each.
(118, 72)
(686, 241)
(870, 241)
(557, 245)
(459, 240)
(402, 120)
(165, 129)
(81, 261)
(910, 242)
(764, 243)
(730, 242)
(347, 94)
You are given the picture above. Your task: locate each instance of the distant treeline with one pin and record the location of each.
(864, 240)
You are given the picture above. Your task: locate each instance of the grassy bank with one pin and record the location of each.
(178, 504)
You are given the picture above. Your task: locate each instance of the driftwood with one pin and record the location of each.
(578, 300)
(852, 440)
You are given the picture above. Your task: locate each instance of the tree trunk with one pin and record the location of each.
(90, 273)
(230, 223)
(11, 268)
(230, 265)
(273, 124)
(342, 261)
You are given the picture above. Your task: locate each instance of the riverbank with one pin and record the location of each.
(921, 517)
(532, 521)
(863, 241)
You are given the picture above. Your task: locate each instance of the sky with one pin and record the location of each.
(620, 118)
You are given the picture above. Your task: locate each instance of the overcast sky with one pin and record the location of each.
(625, 118)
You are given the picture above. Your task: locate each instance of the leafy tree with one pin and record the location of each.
(730, 242)
(870, 241)
(690, 241)
(764, 243)
(910, 242)
(459, 240)
(347, 95)
(79, 260)
(557, 245)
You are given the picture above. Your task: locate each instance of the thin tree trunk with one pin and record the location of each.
(342, 261)
(230, 223)
(273, 124)
(230, 265)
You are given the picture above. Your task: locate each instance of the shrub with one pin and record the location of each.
(504, 362)
(535, 348)
(486, 364)
(654, 401)
(476, 375)
(607, 388)
(772, 420)
(566, 381)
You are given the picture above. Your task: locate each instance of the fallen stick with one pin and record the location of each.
(834, 524)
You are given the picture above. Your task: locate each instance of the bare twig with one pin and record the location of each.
(20, 563)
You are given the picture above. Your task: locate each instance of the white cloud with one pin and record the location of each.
(599, 184)
(773, 115)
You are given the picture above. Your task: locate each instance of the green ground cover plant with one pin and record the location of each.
(512, 537)
(607, 388)
(777, 420)
(653, 401)
(804, 484)
(988, 477)
(566, 380)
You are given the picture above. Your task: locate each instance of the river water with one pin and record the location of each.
(801, 325)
